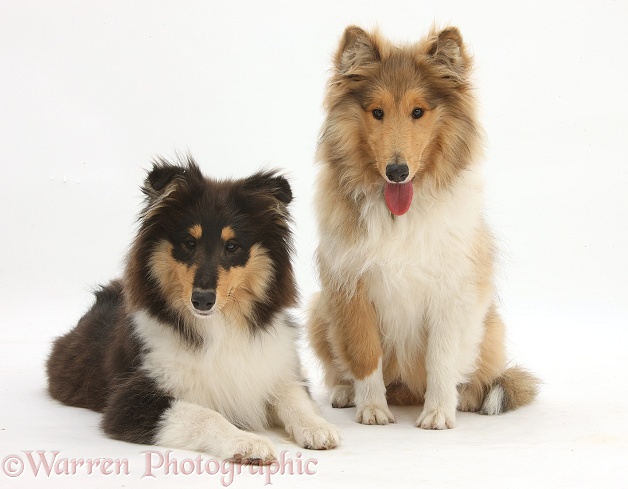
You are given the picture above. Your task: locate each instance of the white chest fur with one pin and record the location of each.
(414, 265)
(235, 374)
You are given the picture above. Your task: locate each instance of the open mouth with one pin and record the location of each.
(398, 197)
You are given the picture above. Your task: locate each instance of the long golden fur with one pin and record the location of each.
(406, 311)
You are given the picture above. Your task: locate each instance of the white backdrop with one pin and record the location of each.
(90, 92)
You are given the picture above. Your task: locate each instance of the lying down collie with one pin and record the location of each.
(193, 346)
(406, 314)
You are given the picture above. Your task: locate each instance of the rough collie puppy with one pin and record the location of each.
(194, 344)
(406, 313)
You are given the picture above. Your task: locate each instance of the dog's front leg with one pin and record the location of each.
(448, 330)
(193, 427)
(360, 350)
(138, 411)
(296, 411)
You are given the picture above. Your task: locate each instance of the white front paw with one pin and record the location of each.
(319, 435)
(252, 449)
(436, 419)
(374, 414)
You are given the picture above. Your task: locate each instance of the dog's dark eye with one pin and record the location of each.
(190, 243)
(417, 113)
(231, 246)
(378, 114)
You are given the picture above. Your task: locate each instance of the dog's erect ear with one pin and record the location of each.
(161, 181)
(448, 52)
(272, 183)
(357, 48)
(161, 175)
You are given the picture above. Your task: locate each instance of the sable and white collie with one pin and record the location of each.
(406, 313)
(194, 344)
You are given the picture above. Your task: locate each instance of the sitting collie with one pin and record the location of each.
(406, 314)
(194, 345)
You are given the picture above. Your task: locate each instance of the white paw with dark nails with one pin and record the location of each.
(252, 449)
(316, 436)
(343, 396)
(436, 419)
(374, 414)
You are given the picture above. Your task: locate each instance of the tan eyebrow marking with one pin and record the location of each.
(196, 231)
(227, 233)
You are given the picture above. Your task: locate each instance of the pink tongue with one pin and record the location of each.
(398, 197)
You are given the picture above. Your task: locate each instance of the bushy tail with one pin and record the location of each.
(516, 387)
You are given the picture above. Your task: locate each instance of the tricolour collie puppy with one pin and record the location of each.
(406, 313)
(193, 346)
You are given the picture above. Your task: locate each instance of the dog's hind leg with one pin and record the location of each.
(490, 364)
(493, 388)
(341, 388)
(77, 369)
(348, 342)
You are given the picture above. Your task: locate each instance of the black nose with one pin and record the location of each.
(203, 299)
(397, 172)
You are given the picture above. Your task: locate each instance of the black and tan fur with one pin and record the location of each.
(193, 345)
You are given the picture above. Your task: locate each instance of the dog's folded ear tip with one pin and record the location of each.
(270, 181)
